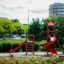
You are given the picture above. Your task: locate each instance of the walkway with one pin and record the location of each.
(23, 54)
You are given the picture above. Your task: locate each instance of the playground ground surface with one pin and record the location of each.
(30, 54)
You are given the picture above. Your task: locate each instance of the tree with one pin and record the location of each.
(35, 27)
(15, 20)
(7, 25)
(59, 23)
(25, 28)
(1, 30)
(18, 28)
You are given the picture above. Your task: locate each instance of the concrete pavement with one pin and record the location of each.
(30, 54)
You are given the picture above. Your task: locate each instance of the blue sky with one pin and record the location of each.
(19, 9)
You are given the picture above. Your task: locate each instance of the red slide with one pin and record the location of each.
(16, 48)
(51, 42)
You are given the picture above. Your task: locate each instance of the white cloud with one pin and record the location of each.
(19, 8)
(58, 1)
(39, 11)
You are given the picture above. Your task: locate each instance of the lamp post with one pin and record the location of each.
(27, 9)
(28, 17)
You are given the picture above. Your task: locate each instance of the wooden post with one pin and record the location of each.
(26, 48)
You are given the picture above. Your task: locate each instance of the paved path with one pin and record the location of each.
(30, 54)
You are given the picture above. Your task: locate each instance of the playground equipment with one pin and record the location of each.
(30, 43)
(52, 38)
(16, 48)
(49, 34)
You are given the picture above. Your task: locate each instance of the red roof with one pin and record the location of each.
(50, 24)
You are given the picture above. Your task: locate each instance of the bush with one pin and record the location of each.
(7, 44)
(23, 48)
(6, 47)
(34, 60)
(14, 45)
(36, 46)
(0, 48)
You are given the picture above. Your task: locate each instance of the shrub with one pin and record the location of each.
(36, 46)
(0, 48)
(7, 44)
(23, 48)
(34, 60)
(14, 45)
(6, 47)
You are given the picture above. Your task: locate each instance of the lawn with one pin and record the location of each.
(11, 40)
(20, 40)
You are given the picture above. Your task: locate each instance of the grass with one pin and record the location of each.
(11, 40)
(41, 42)
(20, 40)
(33, 60)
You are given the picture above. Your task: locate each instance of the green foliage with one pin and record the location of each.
(23, 48)
(7, 44)
(18, 28)
(25, 28)
(59, 26)
(6, 26)
(15, 20)
(1, 30)
(36, 46)
(5, 47)
(59, 22)
(15, 45)
(35, 27)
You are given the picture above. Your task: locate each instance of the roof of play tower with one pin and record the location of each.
(51, 24)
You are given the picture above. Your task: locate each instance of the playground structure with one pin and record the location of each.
(30, 42)
(29, 45)
(52, 38)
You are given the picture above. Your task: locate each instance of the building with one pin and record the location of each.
(56, 9)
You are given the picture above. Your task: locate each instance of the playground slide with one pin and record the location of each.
(51, 42)
(16, 48)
